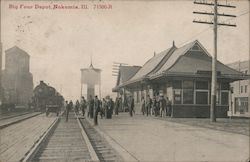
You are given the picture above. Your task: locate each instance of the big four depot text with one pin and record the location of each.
(60, 6)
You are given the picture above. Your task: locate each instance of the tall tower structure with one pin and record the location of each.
(91, 77)
(17, 80)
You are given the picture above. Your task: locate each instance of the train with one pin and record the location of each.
(44, 98)
(47, 99)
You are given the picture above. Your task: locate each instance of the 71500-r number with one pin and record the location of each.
(102, 6)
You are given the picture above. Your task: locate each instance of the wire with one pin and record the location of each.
(244, 13)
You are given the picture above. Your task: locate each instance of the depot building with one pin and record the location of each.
(184, 76)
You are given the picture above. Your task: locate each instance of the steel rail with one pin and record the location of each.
(32, 152)
(92, 151)
(18, 120)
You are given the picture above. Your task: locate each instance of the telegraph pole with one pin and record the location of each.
(115, 73)
(214, 59)
(1, 61)
(214, 69)
(116, 68)
(249, 70)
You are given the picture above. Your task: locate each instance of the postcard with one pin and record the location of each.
(114, 80)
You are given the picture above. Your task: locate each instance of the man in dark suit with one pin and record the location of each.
(67, 110)
(132, 105)
(91, 106)
(97, 109)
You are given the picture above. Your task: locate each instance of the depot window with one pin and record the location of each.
(188, 92)
(202, 85)
(177, 86)
(177, 96)
(202, 92)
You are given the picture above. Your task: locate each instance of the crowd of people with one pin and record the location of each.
(93, 107)
(158, 106)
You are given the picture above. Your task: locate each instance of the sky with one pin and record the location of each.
(61, 41)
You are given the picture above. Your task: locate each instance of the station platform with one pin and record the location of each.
(141, 138)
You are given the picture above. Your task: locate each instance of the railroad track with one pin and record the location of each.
(5, 122)
(103, 150)
(63, 141)
(74, 140)
(11, 115)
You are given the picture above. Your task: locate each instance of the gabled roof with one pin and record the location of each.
(189, 59)
(178, 53)
(16, 50)
(187, 64)
(126, 73)
(185, 61)
(157, 64)
(150, 65)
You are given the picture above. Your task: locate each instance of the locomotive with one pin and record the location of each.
(47, 99)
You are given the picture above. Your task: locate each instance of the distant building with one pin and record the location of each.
(125, 73)
(240, 91)
(184, 76)
(17, 79)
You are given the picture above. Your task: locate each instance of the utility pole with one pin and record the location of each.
(214, 69)
(116, 68)
(1, 61)
(249, 69)
(1, 87)
(115, 73)
(214, 60)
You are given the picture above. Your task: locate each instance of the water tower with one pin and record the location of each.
(91, 77)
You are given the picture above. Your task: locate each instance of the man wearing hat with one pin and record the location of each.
(162, 106)
(96, 109)
(131, 106)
